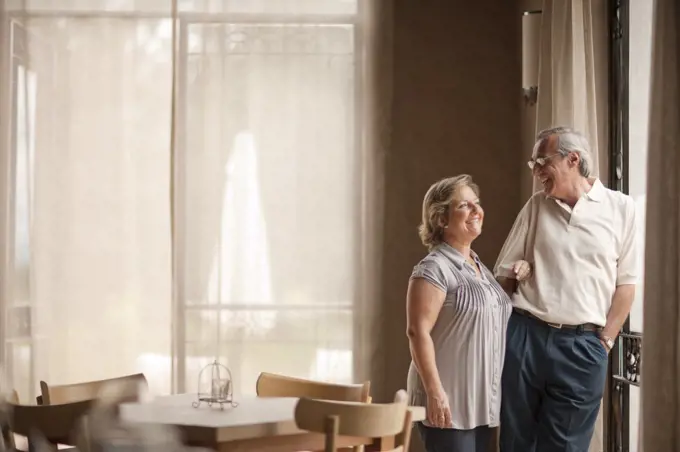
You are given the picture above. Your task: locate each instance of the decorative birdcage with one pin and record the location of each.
(215, 386)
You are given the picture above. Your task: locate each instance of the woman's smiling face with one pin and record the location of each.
(466, 216)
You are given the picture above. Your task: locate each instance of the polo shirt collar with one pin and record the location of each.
(596, 192)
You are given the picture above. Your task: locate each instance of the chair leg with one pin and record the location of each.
(332, 426)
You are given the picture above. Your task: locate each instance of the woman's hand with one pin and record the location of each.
(522, 270)
(438, 410)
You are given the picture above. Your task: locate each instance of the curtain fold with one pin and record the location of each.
(4, 165)
(91, 245)
(661, 363)
(375, 137)
(573, 73)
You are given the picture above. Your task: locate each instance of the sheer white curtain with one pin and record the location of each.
(91, 260)
(4, 164)
(573, 73)
(262, 213)
(267, 211)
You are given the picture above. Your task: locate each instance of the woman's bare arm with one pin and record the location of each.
(423, 303)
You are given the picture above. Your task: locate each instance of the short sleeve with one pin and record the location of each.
(514, 246)
(431, 271)
(627, 265)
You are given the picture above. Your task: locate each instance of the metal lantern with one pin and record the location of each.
(215, 386)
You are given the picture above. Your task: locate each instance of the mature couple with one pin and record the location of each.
(525, 347)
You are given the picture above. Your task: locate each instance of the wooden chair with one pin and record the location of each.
(55, 423)
(52, 395)
(273, 385)
(7, 440)
(390, 423)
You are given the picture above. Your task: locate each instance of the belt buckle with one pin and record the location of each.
(557, 326)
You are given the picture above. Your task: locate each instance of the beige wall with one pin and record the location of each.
(457, 99)
(456, 109)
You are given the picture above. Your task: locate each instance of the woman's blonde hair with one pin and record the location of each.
(436, 205)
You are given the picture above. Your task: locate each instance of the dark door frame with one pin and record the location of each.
(625, 362)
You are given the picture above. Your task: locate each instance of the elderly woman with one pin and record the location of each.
(457, 316)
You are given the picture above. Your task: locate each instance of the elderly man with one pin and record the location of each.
(579, 239)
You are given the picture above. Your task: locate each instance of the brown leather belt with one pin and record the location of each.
(560, 326)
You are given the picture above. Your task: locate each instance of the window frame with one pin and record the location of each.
(180, 306)
(617, 432)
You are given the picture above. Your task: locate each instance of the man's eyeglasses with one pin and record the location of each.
(540, 161)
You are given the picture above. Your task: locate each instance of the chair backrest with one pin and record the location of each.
(273, 385)
(56, 423)
(52, 395)
(373, 420)
(7, 442)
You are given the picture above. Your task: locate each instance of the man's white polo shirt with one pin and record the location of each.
(579, 256)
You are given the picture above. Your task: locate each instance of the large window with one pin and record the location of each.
(240, 245)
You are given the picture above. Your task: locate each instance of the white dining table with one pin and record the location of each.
(262, 424)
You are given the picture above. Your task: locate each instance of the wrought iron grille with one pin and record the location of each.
(627, 355)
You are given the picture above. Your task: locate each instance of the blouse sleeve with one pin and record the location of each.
(431, 271)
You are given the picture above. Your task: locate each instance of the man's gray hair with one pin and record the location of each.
(569, 140)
